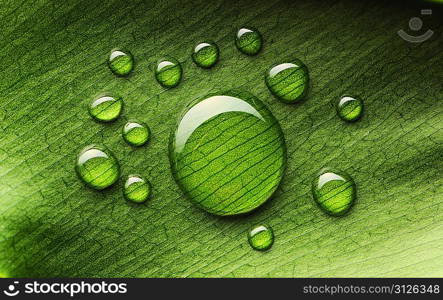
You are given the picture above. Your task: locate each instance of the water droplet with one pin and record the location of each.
(228, 153)
(168, 72)
(349, 108)
(248, 40)
(121, 63)
(205, 54)
(261, 237)
(289, 82)
(97, 167)
(136, 133)
(136, 189)
(334, 192)
(106, 108)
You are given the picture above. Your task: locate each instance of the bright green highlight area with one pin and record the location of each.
(349, 108)
(334, 192)
(137, 189)
(261, 237)
(248, 41)
(97, 167)
(289, 81)
(168, 72)
(106, 108)
(136, 133)
(205, 54)
(121, 63)
(228, 153)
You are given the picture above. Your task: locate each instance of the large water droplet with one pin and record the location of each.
(136, 133)
(261, 237)
(168, 72)
(289, 81)
(205, 54)
(248, 40)
(228, 153)
(97, 167)
(334, 192)
(121, 63)
(136, 189)
(106, 108)
(349, 108)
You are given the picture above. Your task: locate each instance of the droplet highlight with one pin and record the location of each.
(120, 62)
(349, 108)
(136, 189)
(289, 82)
(136, 133)
(228, 153)
(261, 237)
(168, 72)
(248, 40)
(334, 192)
(97, 166)
(106, 108)
(205, 54)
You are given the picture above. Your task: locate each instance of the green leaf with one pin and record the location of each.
(54, 57)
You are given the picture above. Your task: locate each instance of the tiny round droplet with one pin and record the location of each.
(349, 108)
(261, 237)
(168, 72)
(121, 63)
(334, 192)
(106, 108)
(289, 82)
(205, 54)
(97, 167)
(136, 133)
(248, 40)
(136, 189)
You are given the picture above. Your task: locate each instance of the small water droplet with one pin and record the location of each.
(136, 189)
(334, 191)
(289, 81)
(228, 153)
(205, 54)
(121, 63)
(136, 133)
(248, 40)
(168, 72)
(106, 108)
(97, 167)
(261, 237)
(349, 108)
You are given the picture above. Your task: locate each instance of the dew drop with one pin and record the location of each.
(121, 63)
(289, 82)
(106, 108)
(248, 40)
(136, 133)
(228, 153)
(168, 72)
(349, 108)
(97, 167)
(334, 192)
(205, 54)
(261, 237)
(136, 189)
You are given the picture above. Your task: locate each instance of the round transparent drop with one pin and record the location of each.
(168, 72)
(205, 55)
(97, 167)
(261, 237)
(136, 189)
(136, 133)
(228, 153)
(334, 192)
(248, 41)
(106, 108)
(349, 108)
(289, 82)
(121, 63)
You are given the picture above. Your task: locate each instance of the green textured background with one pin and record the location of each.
(53, 62)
